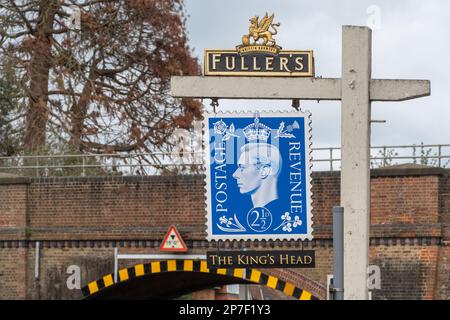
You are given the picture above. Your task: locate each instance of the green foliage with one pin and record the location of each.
(421, 154)
(424, 155)
(388, 156)
(28, 232)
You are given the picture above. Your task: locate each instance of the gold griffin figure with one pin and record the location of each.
(260, 30)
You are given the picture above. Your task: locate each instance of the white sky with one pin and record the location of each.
(413, 42)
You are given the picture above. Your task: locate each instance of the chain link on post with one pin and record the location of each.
(214, 103)
(296, 104)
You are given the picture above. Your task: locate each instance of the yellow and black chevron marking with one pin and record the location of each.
(253, 275)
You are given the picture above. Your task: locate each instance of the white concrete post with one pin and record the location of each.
(355, 168)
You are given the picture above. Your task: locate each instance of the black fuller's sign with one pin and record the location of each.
(261, 259)
(259, 55)
(284, 63)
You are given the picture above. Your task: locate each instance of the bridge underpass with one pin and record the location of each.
(171, 279)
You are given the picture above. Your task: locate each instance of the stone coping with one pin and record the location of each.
(394, 171)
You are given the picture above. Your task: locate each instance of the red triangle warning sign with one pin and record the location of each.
(173, 242)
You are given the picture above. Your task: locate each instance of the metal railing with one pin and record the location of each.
(434, 155)
(323, 159)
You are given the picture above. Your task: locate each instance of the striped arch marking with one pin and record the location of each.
(253, 275)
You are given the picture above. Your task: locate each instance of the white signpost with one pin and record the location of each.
(356, 90)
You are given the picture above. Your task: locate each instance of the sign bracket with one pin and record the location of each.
(214, 103)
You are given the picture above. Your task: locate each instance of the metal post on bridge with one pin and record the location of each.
(338, 253)
(116, 263)
(439, 155)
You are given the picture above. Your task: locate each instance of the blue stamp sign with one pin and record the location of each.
(258, 176)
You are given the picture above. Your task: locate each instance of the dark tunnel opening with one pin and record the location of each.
(163, 286)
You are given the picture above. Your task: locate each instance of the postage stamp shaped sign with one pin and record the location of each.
(258, 175)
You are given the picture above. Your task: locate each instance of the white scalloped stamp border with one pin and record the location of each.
(207, 176)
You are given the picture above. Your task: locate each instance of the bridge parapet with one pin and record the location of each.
(79, 220)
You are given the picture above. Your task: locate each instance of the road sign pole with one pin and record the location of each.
(116, 263)
(338, 253)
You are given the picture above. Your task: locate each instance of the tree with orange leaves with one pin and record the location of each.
(95, 73)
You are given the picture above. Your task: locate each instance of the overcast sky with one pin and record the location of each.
(412, 42)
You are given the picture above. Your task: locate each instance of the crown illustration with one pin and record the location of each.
(257, 131)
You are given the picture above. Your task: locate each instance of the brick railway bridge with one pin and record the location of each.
(50, 224)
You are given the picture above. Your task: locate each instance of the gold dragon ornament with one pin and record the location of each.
(260, 30)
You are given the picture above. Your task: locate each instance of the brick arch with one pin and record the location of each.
(252, 276)
(289, 275)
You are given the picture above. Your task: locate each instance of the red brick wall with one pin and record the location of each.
(443, 278)
(13, 284)
(139, 208)
(13, 222)
(407, 272)
(443, 274)
(143, 208)
(326, 195)
(135, 208)
(401, 206)
(78, 220)
(93, 262)
(403, 200)
(13, 203)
